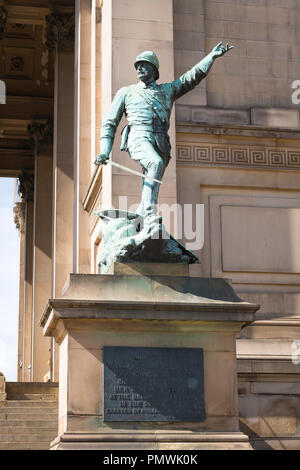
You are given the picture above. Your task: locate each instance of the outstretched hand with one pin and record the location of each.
(220, 50)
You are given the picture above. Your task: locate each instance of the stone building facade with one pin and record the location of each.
(236, 149)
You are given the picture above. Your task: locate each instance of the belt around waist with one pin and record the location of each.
(142, 127)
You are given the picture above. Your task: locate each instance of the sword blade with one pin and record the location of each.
(134, 172)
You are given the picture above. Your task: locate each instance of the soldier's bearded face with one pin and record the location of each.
(145, 72)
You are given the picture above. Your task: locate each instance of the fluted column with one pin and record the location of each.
(26, 190)
(85, 124)
(19, 219)
(60, 42)
(41, 136)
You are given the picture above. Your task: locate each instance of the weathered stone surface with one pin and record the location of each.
(164, 312)
(197, 298)
(149, 269)
(153, 441)
(183, 113)
(220, 116)
(29, 415)
(275, 117)
(265, 41)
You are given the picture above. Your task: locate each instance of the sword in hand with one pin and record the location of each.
(103, 159)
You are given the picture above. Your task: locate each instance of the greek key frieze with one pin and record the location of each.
(184, 153)
(293, 158)
(238, 156)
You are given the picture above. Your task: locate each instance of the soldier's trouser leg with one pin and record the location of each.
(154, 167)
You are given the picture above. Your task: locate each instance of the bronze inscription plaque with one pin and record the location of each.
(153, 384)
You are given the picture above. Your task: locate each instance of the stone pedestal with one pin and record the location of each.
(98, 313)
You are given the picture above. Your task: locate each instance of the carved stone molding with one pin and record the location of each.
(26, 187)
(40, 132)
(3, 20)
(238, 156)
(60, 31)
(16, 63)
(19, 218)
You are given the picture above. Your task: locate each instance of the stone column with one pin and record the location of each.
(85, 125)
(41, 134)
(19, 219)
(98, 83)
(2, 387)
(26, 187)
(60, 41)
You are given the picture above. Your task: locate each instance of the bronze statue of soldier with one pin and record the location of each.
(147, 107)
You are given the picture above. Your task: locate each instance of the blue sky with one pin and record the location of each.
(9, 281)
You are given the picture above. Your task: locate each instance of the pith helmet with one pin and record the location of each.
(151, 57)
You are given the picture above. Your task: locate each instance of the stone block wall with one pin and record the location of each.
(258, 73)
(189, 45)
(265, 61)
(269, 394)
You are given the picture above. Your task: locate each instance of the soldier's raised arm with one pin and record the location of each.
(109, 127)
(193, 77)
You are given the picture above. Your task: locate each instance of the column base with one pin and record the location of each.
(152, 441)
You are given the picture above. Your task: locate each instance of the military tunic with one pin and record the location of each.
(148, 110)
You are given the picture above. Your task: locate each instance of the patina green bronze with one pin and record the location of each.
(147, 107)
(128, 237)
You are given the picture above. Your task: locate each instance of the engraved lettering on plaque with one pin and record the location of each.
(153, 384)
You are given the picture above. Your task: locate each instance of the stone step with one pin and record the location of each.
(43, 422)
(29, 416)
(19, 389)
(33, 397)
(45, 426)
(28, 437)
(32, 406)
(28, 404)
(30, 411)
(24, 445)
